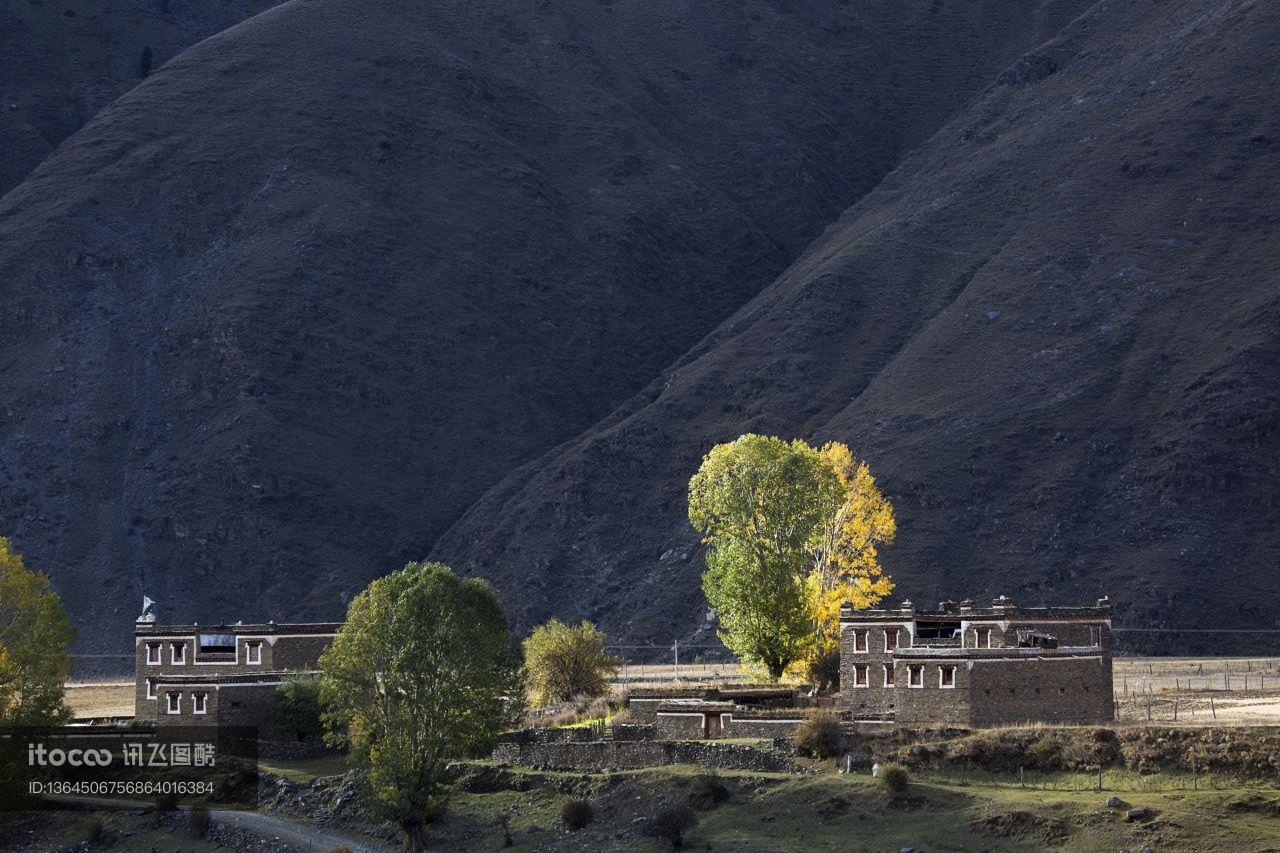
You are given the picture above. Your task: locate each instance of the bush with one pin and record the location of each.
(671, 824)
(93, 830)
(576, 814)
(198, 820)
(823, 669)
(894, 780)
(295, 713)
(708, 791)
(818, 735)
(563, 661)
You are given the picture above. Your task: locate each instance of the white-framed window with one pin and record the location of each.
(198, 702)
(177, 653)
(1095, 635)
(888, 675)
(253, 653)
(890, 639)
(153, 654)
(860, 641)
(982, 638)
(946, 676)
(151, 688)
(860, 675)
(175, 702)
(915, 675)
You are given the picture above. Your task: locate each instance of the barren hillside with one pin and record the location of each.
(63, 60)
(1054, 332)
(276, 317)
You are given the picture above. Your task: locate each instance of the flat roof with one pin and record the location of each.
(143, 629)
(999, 653)
(1009, 613)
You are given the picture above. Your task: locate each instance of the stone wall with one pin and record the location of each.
(551, 735)
(761, 728)
(644, 709)
(875, 698)
(679, 726)
(931, 703)
(297, 652)
(601, 756)
(1050, 690)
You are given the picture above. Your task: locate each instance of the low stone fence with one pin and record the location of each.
(576, 734)
(603, 756)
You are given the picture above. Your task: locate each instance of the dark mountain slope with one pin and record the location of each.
(1054, 331)
(63, 60)
(280, 314)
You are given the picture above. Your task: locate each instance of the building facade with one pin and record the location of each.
(221, 674)
(977, 666)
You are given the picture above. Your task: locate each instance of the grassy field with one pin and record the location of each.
(835, 812)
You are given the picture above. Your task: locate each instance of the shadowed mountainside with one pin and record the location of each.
(63, 60)
(276, 317)
(1054, 332)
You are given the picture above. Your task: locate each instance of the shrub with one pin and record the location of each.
(823, 669)
(707, 791)
(198, 820)
(894, 780)
(672, 823)
(295, 711)
(576, 814)
(818, 735)
(93, 830)
(563, 661)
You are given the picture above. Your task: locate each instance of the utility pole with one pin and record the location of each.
(675, 649)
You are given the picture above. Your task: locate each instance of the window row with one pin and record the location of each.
(173, 701)
(860, 639)
(915, 675)
(178, 653)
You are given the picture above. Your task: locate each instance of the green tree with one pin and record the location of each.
(760, 503)
(295, 713)
(562, 661)
(35, 643)
(423, 671)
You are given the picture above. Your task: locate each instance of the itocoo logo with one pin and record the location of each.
(38, 755)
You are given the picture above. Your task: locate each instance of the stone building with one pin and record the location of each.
(221, 674)
(977, 666)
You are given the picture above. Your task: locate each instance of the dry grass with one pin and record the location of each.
(113, 698)
(1198, 691)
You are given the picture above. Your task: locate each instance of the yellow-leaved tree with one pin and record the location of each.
(846, 560)
(793, 533)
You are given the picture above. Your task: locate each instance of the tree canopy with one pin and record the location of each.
(422, 671)
(563, 661)
(35, 644)
(793, 532)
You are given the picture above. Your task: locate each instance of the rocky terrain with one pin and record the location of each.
(354, 282)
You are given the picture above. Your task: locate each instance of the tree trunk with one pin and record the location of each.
(415, 835)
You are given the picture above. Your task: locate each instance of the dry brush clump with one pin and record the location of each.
(576, 814)
(819, 735)
(199, 821)
(671, 824)
(894, 781)
(707, 790)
